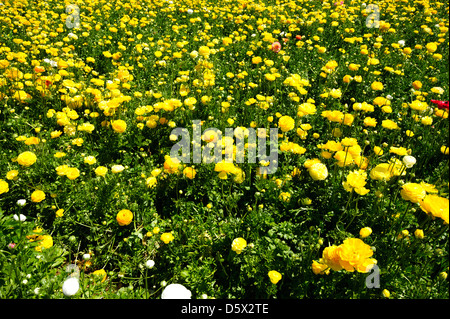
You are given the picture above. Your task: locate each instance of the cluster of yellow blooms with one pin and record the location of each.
(353, 254)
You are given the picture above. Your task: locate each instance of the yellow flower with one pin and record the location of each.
(431, 47)
(45, 241)
(238, 245)
(389, 124)
(204, 51)
(365, 232)
(26, 159)
(306, 109)
(189, 172)
(354, 254)
(399, 150)
(386, 293)
(119, 126)
(417, 85)
(419, 234)
(436, 206)
(318, 172)
(377, 86)
(171, 165)
(285, 196)
(37, 196)
(4, 187)
(115, 169)
(167, 237)
(381, 172)
(101, 273)
(59, 213)
(224, 168)
(356, 180)
(331, 258)
(101, 171)
(319, 268)
(12, 175)
(124, 217)
(344, 158)
(274, 276)
(72, 173)
(151, 181)
(413, 192)
(370, 121)
(418, 105)
(444, 150)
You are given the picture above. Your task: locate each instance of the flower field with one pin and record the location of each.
(97, 202)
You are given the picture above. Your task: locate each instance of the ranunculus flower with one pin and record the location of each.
(365, 232)
(286, 123)
(117, 168)
(101, 171)
(238, 245)
(119, 126)
(436, 205)
(318, 172)
(26, 158)
(274, 276)
(70, 286)
(37, 196)
(413, 192)
(409, 161)
(276, 47)
(167, 237)
(4, 187)
(176, 291)
(124, 217)
(100, 273)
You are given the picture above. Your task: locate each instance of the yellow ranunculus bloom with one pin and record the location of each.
(119, 126)
(37, 196)
(274, 276)
(4, 187)
(167, 237)
(26, 159)
(238, 245)
(413, 192)
(124, 217)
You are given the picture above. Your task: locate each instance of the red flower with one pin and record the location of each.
(440, 104)
(48, 83)
(298, 37)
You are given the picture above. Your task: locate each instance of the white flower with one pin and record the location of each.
(190, 11)
(25, 281)
(22, 217)
(72, 35)
(149, 264)
(409, 161)
(22, 202)
(86, 256)
(389, 97)
(401, 42)
(70, 286)
(51, 62)
(176, 291)
(36, 290)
